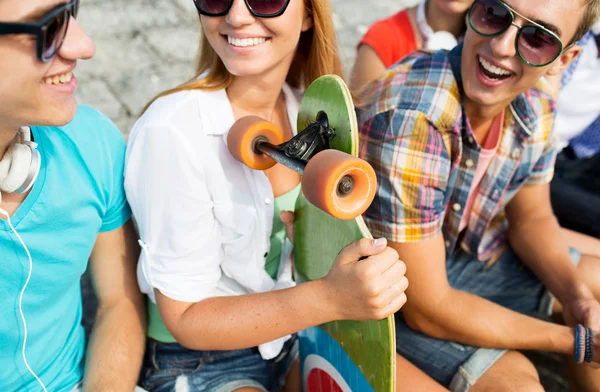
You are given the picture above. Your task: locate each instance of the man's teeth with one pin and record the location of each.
(492, 68)
(245, 41)
(59, 79)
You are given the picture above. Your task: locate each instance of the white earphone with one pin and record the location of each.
(434, 40)
(19, 169)
(20, 165)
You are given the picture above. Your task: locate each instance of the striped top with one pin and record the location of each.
(415, 134)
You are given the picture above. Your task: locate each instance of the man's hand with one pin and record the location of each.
(585, 311)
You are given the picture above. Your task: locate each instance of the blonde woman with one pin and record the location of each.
(216, 263)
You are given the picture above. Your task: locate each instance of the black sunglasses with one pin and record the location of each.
(258, 8)
(536, 45)
(50, 31)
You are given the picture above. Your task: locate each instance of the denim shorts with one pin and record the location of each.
(172, 367)
(508, 283)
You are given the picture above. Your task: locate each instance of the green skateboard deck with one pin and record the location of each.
(343, 355)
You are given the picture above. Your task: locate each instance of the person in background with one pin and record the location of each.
(432, 24)
(575, 189)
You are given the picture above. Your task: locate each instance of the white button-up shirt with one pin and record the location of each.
(202, 216)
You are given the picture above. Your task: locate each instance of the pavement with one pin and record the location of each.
(144, 47)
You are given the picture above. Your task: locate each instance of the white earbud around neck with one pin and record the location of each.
(434, 40)
(20, 165)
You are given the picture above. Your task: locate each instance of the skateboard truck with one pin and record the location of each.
(338, 183)
(296, 152)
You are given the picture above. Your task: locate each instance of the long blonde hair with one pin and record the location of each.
(316, 55)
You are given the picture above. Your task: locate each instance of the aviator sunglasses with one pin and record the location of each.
(258, 8)
(50, 31)
(536, 45)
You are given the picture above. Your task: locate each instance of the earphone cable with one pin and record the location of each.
(21, 298)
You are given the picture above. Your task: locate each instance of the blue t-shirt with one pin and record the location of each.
(78, 194)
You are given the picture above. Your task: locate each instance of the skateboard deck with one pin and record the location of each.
(343, 355)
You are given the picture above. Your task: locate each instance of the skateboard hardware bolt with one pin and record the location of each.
(297, 147)
(345, 186)
(256, 142)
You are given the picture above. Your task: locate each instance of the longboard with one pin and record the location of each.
(343, 355)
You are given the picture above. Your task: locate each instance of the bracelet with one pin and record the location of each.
(580, 343)
(589, 345)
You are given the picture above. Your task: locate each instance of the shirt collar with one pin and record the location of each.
(219, 113)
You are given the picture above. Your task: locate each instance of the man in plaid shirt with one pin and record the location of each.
(463, 147)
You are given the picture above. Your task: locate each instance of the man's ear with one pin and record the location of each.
(563, 61)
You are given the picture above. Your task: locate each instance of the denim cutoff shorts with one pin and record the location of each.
(172, 367)
(507, 282)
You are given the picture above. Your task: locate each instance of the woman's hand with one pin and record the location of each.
(367, 281)
(288, 218)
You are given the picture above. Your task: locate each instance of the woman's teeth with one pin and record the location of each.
(245, 41)
(59, 79)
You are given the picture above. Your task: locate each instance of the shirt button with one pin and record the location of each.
(447, 243)
(515, 153)
(456, 207)
(266, 254)
(469, 163)
(267, 201)
(471, 139)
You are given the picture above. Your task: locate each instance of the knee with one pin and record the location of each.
(511, 373)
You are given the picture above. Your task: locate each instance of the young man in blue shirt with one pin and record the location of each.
(61, 175)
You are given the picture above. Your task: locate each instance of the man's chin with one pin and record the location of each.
(59, 115)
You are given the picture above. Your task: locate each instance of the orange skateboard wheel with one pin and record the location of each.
(243, 136)
(339, 184)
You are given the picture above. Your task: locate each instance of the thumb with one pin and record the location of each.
(361, 249)
(288, 218)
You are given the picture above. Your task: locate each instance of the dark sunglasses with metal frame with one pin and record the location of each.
(258, 8)
(535, 44)
(50, 30)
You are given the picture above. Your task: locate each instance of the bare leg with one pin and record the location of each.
(584, 243)
(511, 373)
(409, 378)
(293, 381)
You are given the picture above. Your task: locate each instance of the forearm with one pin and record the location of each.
(228, 323)
(116, 348)
(475, 321)
(540, 244)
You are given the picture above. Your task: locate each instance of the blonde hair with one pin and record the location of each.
(592, 12)
(316, 55)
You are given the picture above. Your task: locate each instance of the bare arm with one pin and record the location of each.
(117, 344)
(372, 288)
(535, 236)
(367, 68)
(438, 310)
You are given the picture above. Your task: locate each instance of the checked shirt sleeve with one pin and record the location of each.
(411, 159)
(543, 169)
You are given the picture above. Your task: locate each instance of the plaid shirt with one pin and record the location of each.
(415, 134)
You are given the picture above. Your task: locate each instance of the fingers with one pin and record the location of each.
(287, 217)
(378, 264)
(362, 248)
(396, 304)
